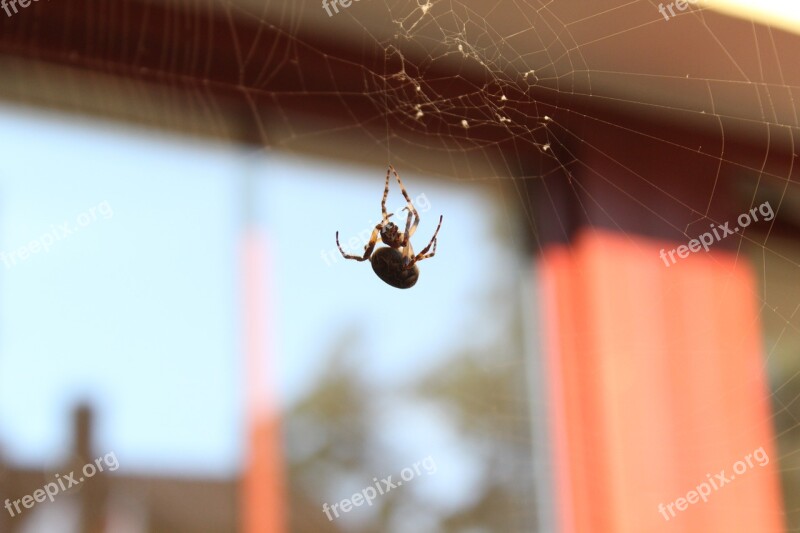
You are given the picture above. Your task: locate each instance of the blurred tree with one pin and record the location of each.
(331, 439)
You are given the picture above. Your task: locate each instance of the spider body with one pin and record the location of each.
(395, 264)
(391, 235)
(388, 265)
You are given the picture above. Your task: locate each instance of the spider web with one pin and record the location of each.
(538, 64)
(459, 83)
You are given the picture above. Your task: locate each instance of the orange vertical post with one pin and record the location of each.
(656, 385)
(262, 492)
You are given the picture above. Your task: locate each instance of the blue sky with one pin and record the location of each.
(138, 312)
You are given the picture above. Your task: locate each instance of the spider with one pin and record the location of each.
(395, 263)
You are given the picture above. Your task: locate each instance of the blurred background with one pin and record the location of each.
(175, 312)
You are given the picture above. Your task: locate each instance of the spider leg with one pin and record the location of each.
(406, 234)
(426, 256)
(408, 256)
(385, 194)
(368, 248)
(422, 255)
(410, 207)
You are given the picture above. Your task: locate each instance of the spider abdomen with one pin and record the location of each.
(388, 265)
